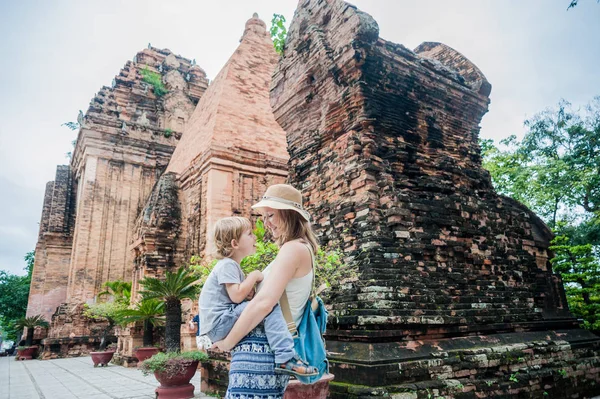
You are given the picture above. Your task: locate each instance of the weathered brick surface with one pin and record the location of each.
(55, 348)
(235, 112)
(561, 363)
(156, 231)
(122, 148)
(383, 143)
(498, 366)
(53, 249)
(230, 151)
(125, 141)
(233, 147)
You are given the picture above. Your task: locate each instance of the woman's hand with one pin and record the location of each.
(221, 346)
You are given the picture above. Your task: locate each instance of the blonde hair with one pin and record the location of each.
(227, 230)
(293, 227)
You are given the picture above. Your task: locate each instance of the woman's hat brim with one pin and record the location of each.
(266, 203)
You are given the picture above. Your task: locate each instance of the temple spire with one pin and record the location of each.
(255, 26)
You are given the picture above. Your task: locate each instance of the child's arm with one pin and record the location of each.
(238, 292)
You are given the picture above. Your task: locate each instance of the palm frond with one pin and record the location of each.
(178, 285)
(118, 289)
(151, 310)
(32, 322)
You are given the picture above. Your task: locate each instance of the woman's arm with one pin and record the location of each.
(283, 270)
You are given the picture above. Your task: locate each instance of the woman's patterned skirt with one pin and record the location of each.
(252, 370)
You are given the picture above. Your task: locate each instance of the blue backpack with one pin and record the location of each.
(309, 342)
(308, 336)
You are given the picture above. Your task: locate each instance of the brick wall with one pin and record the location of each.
(53, 249)
(383, 144)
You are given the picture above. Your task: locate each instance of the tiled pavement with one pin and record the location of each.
(75, 378)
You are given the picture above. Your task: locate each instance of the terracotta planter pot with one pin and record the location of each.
(26, 353)
(175, 380)
(101, 358)
(142, 354)
(318, 390)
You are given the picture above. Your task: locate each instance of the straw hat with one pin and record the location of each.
(283, 196)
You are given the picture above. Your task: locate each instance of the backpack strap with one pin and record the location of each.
(287, 314)
(285, 304)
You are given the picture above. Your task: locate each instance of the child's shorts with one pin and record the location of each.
(226, 321)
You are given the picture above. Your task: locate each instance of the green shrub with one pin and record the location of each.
(172, 363)
(154, 79)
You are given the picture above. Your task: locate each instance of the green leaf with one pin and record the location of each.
(278, 32)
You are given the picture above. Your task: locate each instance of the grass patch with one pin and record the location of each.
(154, 79)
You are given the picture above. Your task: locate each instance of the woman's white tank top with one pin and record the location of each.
(298, 291)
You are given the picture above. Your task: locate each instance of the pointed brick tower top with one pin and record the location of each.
(255, 26)
(235, 113)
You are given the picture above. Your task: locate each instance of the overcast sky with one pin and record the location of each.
(55, 55)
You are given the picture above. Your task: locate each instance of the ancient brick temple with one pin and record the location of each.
(231, 150)
(121, 149)
(127, 138)
(125, 141)
(456, 296)
(114, 213)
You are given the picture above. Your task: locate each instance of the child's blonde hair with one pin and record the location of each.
(227, 230)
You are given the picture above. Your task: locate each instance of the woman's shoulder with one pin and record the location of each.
(298, 252)
(295, 247)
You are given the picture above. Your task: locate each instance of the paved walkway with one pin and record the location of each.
(75, 378)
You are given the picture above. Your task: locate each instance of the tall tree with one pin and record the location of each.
(29, 260)
(580, 272)
(555, 170)
(565, 145)
(14, 294)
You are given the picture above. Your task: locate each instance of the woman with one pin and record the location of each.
(252, 364)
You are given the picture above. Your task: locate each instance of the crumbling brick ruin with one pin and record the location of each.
(125, 141)
(456, 296)
(53, 250)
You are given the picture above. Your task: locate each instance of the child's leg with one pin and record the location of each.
(282, 344)
(226, 322)
(278, 335)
